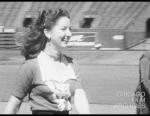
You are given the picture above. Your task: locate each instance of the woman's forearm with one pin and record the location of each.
(81, 102)
(13, 105)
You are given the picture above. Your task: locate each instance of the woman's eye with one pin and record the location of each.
(66, 28)
(63, 29)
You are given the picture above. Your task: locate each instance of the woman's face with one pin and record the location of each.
(61, 32)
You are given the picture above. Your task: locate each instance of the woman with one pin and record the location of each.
(48, 76)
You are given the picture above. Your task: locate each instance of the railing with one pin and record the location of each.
(82, 39)
(7, 40)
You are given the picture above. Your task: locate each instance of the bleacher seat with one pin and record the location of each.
(9, 30)
(111, 15)
(1, 29)
(82, 39)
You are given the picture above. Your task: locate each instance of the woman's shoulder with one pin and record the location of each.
(31, 63)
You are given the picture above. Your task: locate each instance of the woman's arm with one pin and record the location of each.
(13, 105)
(81, 102)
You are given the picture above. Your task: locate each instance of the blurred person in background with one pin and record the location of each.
(142, 93)
(48, 76)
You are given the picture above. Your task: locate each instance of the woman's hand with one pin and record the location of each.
(81, 102)
(13, 105)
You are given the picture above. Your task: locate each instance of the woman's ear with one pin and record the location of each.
(47, 34)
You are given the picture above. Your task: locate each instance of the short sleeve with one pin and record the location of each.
(23, 82)
(77, 72)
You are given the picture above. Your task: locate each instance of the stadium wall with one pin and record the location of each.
(106, 37)
(133, 38)
(136, 30)
(139, 22)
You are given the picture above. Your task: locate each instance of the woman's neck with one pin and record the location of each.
(51, 51)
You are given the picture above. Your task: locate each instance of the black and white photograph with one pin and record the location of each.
(74, 57)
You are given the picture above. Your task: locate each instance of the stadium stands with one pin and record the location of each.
(107, 15)
(9, 12)
(116, 15)
(72, 7)
(82, 39)
(16, 8)
(7, 40)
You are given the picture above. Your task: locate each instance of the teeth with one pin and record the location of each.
(66, 39)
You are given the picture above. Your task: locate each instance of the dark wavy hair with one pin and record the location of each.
(35, 39)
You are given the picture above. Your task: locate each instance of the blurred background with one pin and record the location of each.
(108, 40)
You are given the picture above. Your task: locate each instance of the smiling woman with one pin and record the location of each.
(49, 77)
(51, 27)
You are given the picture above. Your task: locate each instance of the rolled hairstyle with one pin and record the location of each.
(35, 39)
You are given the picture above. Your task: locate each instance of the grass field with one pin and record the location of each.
(109, 77)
